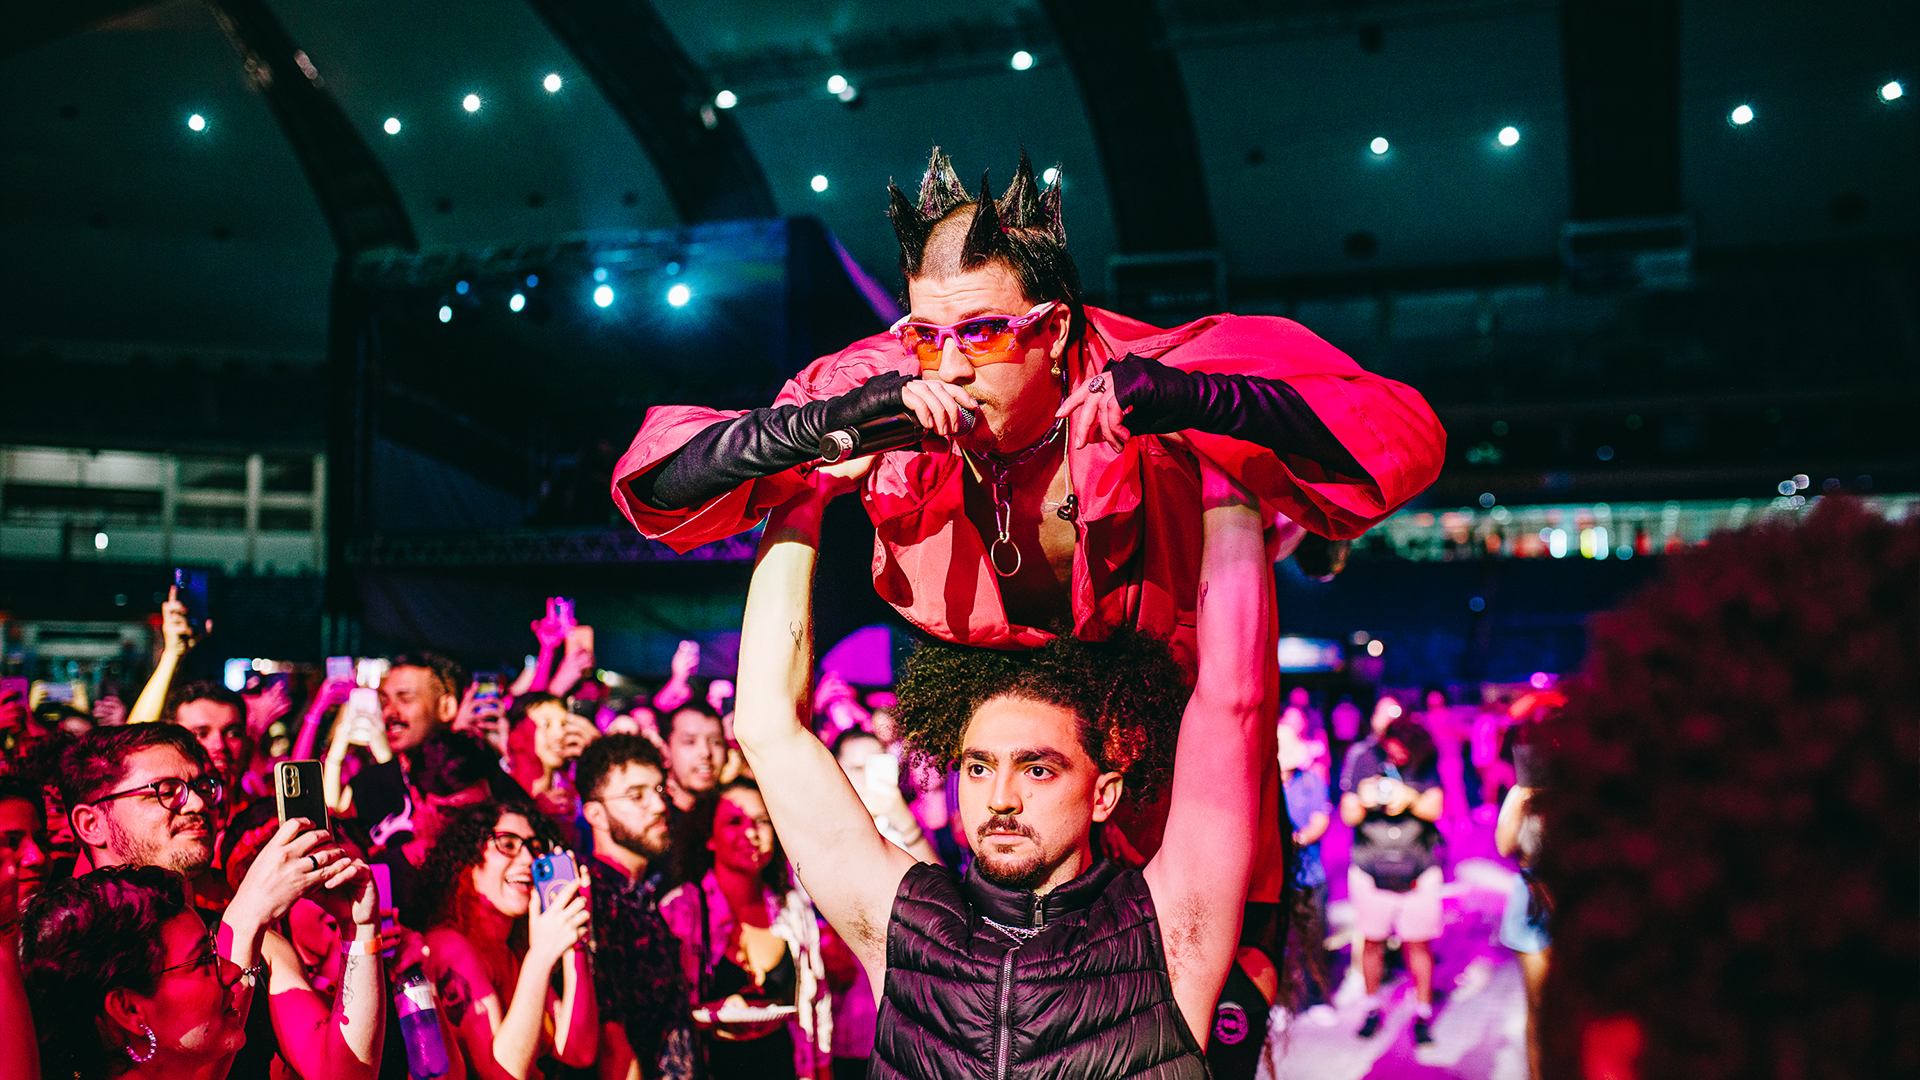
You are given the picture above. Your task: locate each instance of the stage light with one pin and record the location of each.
(1741, 116)
(516, 302)
(1478, 603)
(1051, 176)
(461, 287)
(446, 313)
(599, 273)
(471, 103)
(533, 280)
(1605, 453)
(1487, 500)
(1786, 487)
(1022, 60)
(1540, 680)
(1376, 647)
(392, 125)
(1800, 481)
(99, 541)
(848, 96)
(678, 295)
(726, 99)
(603, 296)
(552, 83)
(837, 84)
(1509, 136)
(196, 122)
(1557, 543)
(1892, 91)
(1378, 145)
(820, 182)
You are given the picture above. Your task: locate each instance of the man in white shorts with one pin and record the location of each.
(1391, 797)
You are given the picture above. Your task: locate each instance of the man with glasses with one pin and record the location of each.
(647, 1031)
(143, 795)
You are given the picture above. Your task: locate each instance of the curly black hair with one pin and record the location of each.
(83, 939)
(1128, 692)
(1730, 838)
(446, 887)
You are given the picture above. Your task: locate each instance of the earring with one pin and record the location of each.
(153, 1046)
(1056, 368)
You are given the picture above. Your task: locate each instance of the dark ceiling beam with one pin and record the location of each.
(361, 205)
(29, 26)
(1622, 61)
(1136, 103)
(700, 152)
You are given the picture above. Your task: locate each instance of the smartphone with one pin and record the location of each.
(190, 588)
(339, 667)
(383, 887)
(550, 872)
(883, 774)
(298, 794)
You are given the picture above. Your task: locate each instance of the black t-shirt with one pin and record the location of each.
(1393, 849)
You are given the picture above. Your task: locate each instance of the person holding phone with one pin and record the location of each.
(177, 636)
(492, 949)
(1391, 800)
(749, 941)
(143, 795)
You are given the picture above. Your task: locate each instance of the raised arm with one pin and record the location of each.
(177, 633)
(1199, 877)
(850, 871)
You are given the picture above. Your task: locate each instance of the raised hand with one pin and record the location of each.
(1094, 414)
(565, 922)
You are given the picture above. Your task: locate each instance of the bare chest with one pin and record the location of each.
(1029, 542)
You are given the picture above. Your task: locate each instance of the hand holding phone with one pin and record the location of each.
(298, 793)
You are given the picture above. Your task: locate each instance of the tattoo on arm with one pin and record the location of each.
(1203, 595)
(455, 996)
(345, 997)
(799, 633)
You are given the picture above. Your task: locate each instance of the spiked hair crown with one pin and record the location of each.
(1022, 228)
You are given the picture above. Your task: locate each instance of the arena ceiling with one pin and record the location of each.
(124, 227)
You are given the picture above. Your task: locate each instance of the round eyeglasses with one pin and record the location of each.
(512, 844)
(171, 792)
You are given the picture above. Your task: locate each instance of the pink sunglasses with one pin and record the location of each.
(987, 339)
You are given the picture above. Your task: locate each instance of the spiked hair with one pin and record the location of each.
(1021, 229)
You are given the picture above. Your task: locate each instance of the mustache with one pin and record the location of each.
(1004, 823)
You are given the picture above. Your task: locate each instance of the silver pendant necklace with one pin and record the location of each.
(997, 467)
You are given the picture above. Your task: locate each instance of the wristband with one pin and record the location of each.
(360, 948)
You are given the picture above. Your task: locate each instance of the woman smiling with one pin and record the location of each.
(493, 950)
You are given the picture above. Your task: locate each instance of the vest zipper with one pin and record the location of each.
(1003, 1034)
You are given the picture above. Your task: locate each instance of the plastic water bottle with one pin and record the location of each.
(419, 1011)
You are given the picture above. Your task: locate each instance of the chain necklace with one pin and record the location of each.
(997, 467)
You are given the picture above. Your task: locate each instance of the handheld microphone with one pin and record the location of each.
(880, 434)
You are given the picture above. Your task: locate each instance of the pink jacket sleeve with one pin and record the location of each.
(1386, 425)
(667, 428)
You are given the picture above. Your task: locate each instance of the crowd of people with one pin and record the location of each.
(171, 924)
(1055, 847)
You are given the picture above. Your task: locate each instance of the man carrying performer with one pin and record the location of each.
(1067, 498)
(1044, 957)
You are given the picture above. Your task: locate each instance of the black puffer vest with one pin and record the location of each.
(1084, 995)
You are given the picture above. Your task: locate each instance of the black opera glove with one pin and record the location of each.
(1160, 399)
(730, 453)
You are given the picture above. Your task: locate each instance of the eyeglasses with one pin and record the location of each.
(212, 960)
(512, 844)
(988, 339)
(171, 792)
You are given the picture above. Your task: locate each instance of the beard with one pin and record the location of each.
(637, 841)
(182, 856)
(1023, 873)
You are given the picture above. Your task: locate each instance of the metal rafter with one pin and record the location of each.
(1136, 103)
(361, 205)
(701, 155)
